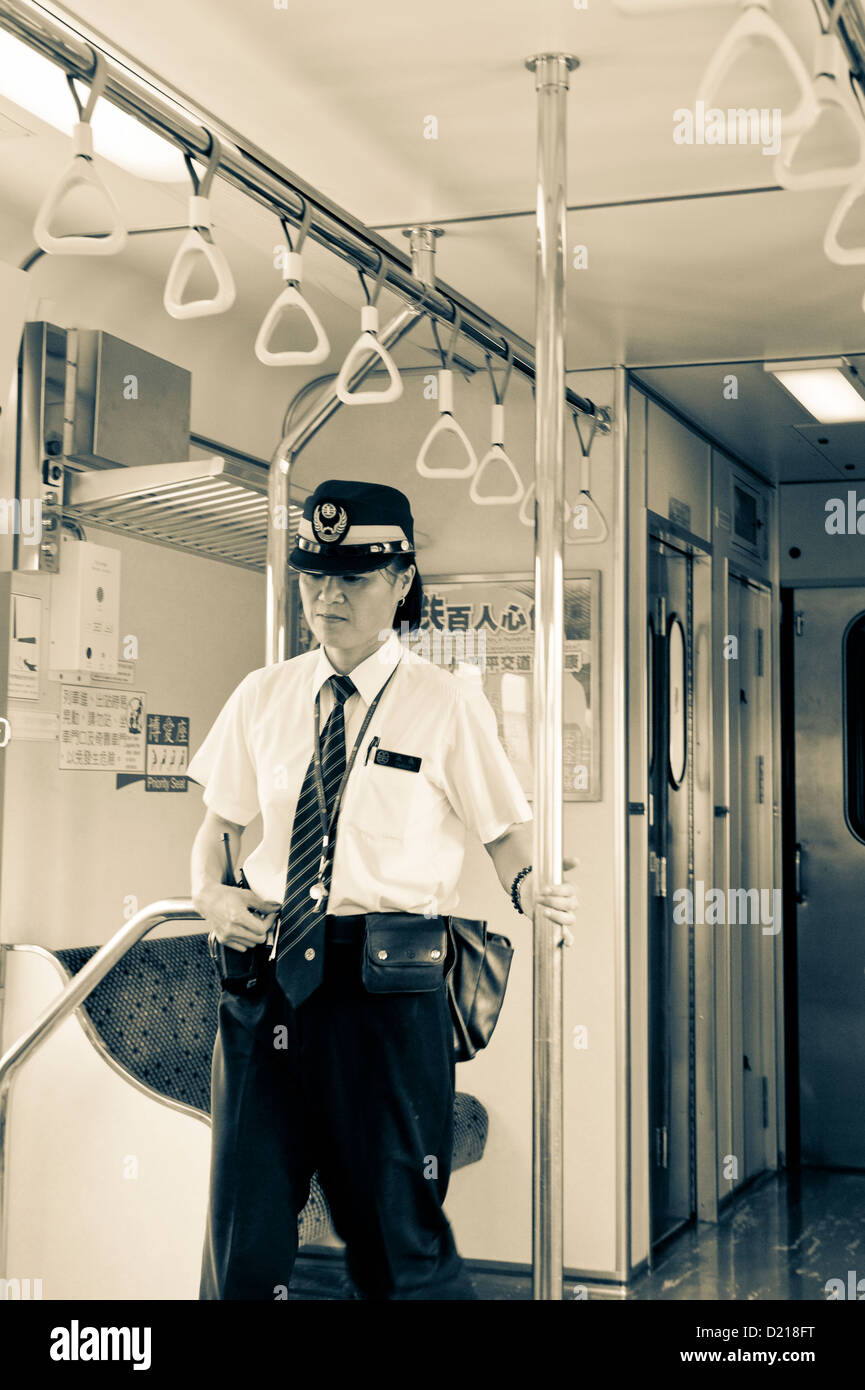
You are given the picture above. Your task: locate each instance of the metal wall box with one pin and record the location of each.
(749, 509)
(130, 407)
(85, 608)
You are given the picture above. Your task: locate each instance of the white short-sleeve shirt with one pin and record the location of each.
(401, 835)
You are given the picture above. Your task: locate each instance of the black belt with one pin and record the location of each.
(345, 931)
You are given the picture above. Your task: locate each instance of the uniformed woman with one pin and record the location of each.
(369, 767)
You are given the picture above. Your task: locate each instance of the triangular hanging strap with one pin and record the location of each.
(496, 452)
(81, 172)
(755, 22)
(832, 93)
(527, 509)
(844, 255)
(368, 343)
(189, 253)
(291, 298)
(365, 344)
(496, 455)
(198, 242)
(585, 524)
(447, 424)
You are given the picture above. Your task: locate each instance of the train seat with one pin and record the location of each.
(155, 1013)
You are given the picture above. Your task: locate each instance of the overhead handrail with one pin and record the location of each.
(496, 452)
(832, 89)
(756, 22)
(257, 175)
(291, 297)
(446, 423)
(199, 242)
(585, 502)
(79, 173)
(368, 342)
(73, 994)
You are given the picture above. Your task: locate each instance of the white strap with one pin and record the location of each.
(365, 344)
(291, 298)
(755, 22)
(844, 255)
(496, 454)
(77, 174)
(831, 94)
(447, 424)
(190, 249)
(580, 534)
(527, 510)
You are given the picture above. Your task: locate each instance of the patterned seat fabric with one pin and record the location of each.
(156, 1015)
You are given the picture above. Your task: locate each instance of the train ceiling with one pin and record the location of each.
(694, 254)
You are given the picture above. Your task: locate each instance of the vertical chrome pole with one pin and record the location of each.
(551, 84)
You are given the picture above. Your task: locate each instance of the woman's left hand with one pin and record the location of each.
(558, 901)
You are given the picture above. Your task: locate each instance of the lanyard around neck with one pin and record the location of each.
(328, 826)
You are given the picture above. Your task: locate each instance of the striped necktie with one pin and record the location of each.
(300, 949)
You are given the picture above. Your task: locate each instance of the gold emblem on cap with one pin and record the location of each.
(329, 522)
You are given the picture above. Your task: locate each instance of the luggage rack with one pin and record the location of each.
(215, 507)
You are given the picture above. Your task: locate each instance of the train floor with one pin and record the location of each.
(783, 1238)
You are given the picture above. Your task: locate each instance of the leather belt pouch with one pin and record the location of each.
(403, 953)
(239, 971)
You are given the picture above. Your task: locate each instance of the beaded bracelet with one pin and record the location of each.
(515, 889)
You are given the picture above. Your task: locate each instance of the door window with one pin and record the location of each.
(677, 707)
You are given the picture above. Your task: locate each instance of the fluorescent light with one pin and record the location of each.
(38, 85)
(828, 388)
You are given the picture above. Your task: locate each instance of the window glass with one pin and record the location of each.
(677, 711)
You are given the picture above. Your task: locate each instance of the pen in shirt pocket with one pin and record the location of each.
(373, 743)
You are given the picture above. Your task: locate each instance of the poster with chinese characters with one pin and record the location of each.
(101, 730)
(167, 753)
(484, 629)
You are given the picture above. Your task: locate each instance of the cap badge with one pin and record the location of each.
(329, 522)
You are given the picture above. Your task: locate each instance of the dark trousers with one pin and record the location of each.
(358, 1087)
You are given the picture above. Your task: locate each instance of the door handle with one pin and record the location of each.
(800, 896)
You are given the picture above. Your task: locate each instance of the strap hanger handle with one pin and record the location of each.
(496, 452)
(79, 173)
(199, 242)
(835, 252)
(585, 503)
(368, 343)
(756, 22)
(833, 87)
(291, 297)
(446, 423)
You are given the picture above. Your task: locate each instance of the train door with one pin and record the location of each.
(829, 717)
(671, 957)
(750, 952)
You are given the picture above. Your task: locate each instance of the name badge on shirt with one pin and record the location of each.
(404, 761)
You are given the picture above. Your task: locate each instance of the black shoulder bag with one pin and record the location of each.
(476, 983)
